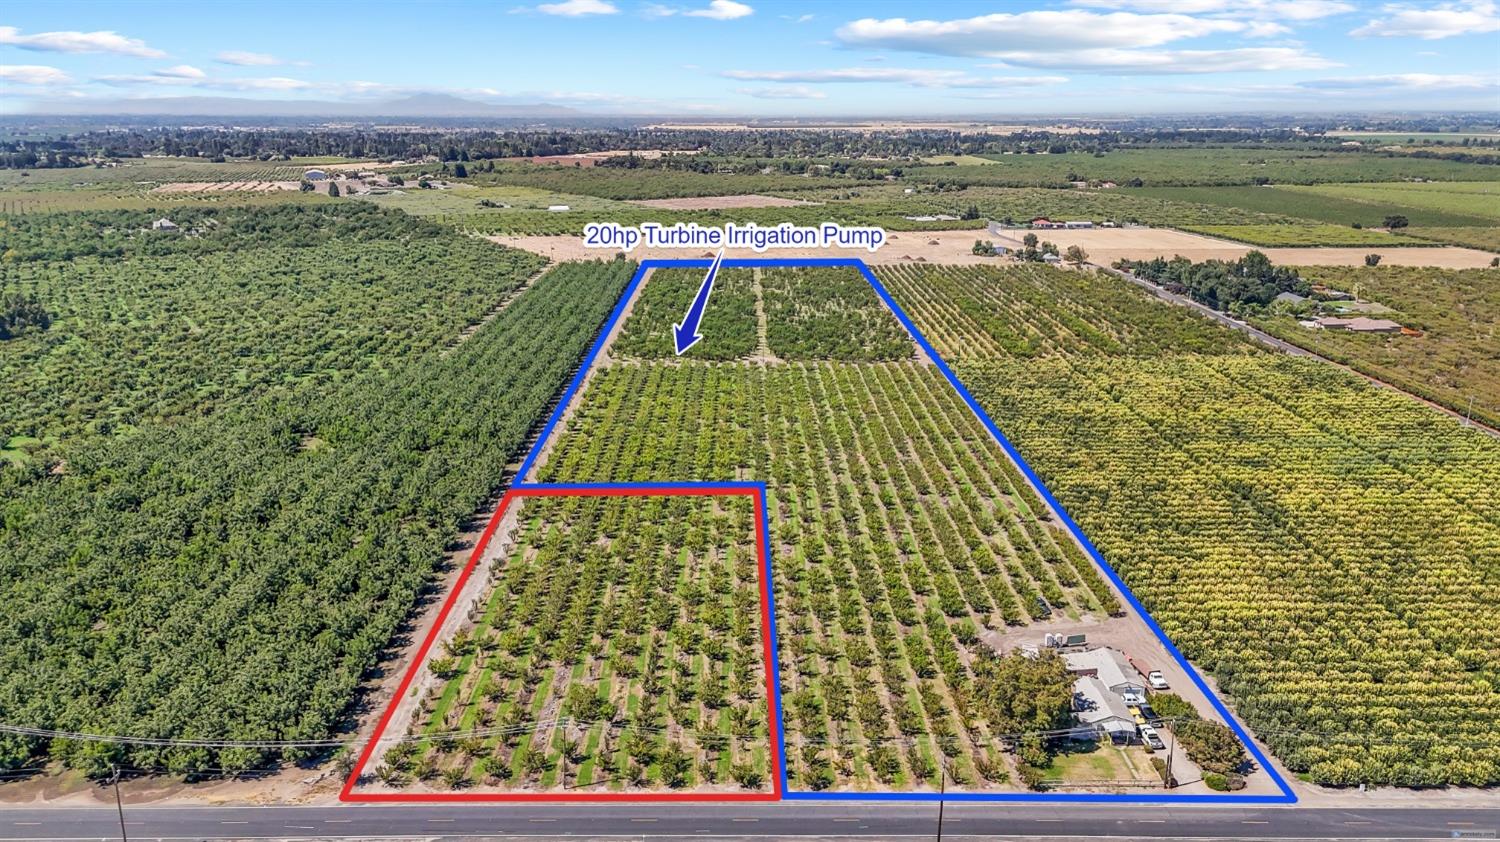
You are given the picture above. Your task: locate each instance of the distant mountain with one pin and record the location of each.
(430, 105)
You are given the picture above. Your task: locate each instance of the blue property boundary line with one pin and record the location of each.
(1152, 797)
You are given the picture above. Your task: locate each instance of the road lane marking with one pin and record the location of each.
(643, 820)
(440, 820)
(541, 820)
(26, 824)
(337, 821)
(1254, 821)
(744, 820)
(228, 822)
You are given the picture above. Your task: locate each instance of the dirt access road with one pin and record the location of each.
(1104, 246)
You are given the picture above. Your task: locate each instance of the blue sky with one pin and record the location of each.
(758, 57)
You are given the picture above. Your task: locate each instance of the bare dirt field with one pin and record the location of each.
(1104, 246)
(225, 187)
(745, 200)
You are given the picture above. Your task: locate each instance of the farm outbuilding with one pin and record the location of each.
(1359, 324)
(164, 224)
(315, 175)
(1109, 666)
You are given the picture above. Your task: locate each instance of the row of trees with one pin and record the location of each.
(237, 577)
(635, 619)
(1221, 284)
(899, 529)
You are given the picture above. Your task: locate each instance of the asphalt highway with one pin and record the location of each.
(721, 821)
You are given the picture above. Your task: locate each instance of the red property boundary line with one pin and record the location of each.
(753, 491)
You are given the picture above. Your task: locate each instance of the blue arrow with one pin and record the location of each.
(686, 334)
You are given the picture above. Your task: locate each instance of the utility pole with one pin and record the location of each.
(119, 806)
(1171, 750)
(942, 790)
(1469, 415)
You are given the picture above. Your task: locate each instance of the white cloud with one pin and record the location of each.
(78, 42)
(991, 35)
(1443, 21)
(182, 71)
(917, 77)
(1172, 61)
(1293, 10)
(797, 18)
(247, 59)
(788, 92)
(578, 8)
(187, 76)
(33, 74)
(1407, 82)
(722, 10)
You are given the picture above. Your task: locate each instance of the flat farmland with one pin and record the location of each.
(1226, 165)
(241, 573)
(1304, 235)
(908, 552)
(749, 200)
(1469, 199)
(619, 649)
(1340, 204)
(1320, 545)
(1104, 245)
(1457, 357)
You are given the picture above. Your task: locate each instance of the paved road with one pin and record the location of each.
(1279, 344)
(869, 819)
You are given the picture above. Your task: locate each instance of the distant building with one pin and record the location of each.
(164, 224)
(1359, 324)
(1290, 298)
(559, 208)
(1044, 222)
(1049, 257)
(314, 175)
(1078, 223)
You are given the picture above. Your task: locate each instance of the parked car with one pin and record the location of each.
(1130, 697)
(1140, 718)
(1151, 715)
(1157, 680)
(1153, 739)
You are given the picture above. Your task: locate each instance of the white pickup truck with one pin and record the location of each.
(1157, 680)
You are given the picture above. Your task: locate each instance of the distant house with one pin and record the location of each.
(1359, 324)
(164, 224)
(1108, 665)
(1290, 298)
(1078, 223)
(559, 208)
(1049, 257)
(1100, 712)
(315, 175)
(1044, 222)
